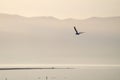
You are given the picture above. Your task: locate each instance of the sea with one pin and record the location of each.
(79, 73)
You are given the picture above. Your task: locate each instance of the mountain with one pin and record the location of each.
(19, 22)
(52, 40)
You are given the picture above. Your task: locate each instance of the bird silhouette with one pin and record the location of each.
(77, 33)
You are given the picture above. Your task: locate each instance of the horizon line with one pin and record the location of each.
(46, 65)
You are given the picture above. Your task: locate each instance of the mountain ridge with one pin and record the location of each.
(4, 15)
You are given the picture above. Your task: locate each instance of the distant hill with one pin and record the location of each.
(44, 20)
(8, 16)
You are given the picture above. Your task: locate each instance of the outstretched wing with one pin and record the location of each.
(81, 32)
(75, 29)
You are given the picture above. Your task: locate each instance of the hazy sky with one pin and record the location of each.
(62, 8)
(48, 40)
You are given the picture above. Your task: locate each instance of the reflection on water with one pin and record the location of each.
(100, 73)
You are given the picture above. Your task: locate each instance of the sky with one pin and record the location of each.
(79, 9)
(37, 40)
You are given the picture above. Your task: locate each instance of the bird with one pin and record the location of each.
(77, 33)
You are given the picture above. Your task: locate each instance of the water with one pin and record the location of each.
(94, 73)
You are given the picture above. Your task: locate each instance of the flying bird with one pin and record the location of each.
(77, 33)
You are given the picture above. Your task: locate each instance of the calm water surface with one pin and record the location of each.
(100, 73)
